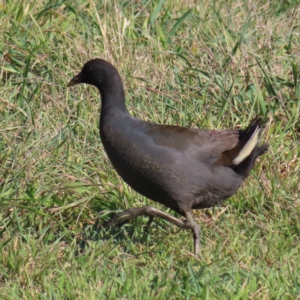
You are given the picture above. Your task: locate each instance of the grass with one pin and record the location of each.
(200, 64)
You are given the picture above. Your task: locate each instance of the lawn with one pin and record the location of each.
(195, 63)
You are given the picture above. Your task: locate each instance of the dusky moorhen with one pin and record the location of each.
(181, 168)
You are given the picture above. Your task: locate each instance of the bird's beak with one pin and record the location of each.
(75, 80)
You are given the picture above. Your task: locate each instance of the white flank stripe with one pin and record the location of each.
(247, 149)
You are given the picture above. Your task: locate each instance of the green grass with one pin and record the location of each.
(189, 63)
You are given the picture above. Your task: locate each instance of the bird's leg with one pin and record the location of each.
(149, 211)
(152, 212)
(190, 223)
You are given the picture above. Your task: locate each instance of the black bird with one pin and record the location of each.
(181, 168)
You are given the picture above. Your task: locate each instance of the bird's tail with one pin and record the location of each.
(249, 149)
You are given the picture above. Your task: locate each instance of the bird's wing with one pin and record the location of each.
(208, 146)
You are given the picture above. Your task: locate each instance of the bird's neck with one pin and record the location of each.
(112, 106)
(112, 95)
(111, 102)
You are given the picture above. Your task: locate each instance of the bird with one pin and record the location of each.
(183, 169)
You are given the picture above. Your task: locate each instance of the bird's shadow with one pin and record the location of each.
(128, 232)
